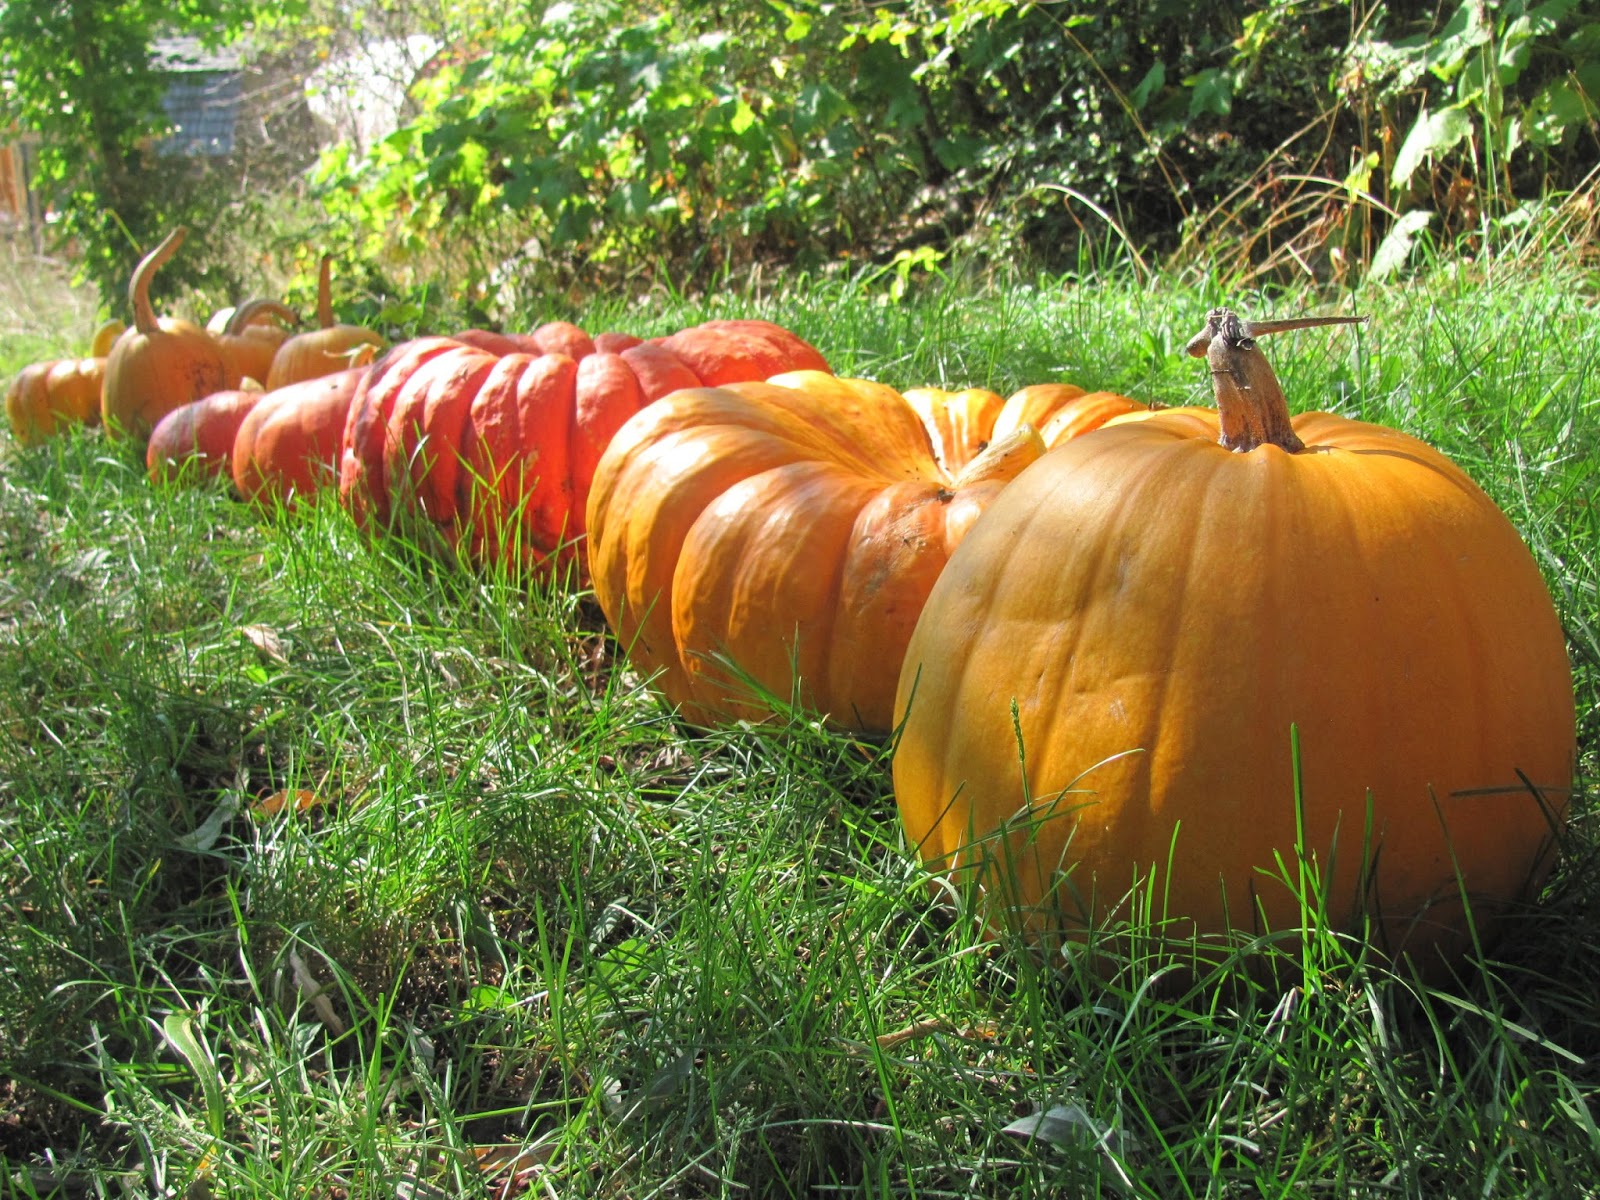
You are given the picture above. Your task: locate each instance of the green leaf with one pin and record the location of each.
(1154, 80)
(1557, 110)
(179, 1030)
(743, 116)
(799, 27)
(1395, 249)
(1433, 134)
(1212, 93)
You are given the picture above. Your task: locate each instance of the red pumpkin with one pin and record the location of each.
(287, 448)
(496, 438)
(195, 440)
(786, 533)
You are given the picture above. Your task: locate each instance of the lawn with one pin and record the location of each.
(333, 869)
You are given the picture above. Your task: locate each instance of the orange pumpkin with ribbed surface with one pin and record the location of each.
(47, 398)
(332, 346)
(160, 363)
(786, 533)
(287, 448)
(1151, 611)
(495, 438)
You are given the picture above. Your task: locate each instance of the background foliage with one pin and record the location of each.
(550, 148)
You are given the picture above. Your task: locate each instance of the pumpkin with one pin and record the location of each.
(788, 532)
(195, 441)
(495, 438)
(328, 348)
(47, 398)
(158, 364)
(105, 336)
(251, 337)
(1104, 690)
(288, 446)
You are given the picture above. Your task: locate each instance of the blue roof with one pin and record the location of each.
(204, 89)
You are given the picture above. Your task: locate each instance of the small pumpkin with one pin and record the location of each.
(47, 398)
(287, 447)
(195, 441)
(158, 364)
(495, 437)
(105, 336)
(251, 337)
(787, 532)
(1102, 685)
(331, 347)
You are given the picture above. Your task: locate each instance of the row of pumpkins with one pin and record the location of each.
(1268, 662)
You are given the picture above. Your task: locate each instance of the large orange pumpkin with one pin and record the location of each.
(288, 446)
(495, 438)
(158, 364)
(332, 346)
(786, 533)
(1099, 696)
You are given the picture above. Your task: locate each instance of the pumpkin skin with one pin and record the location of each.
(195, 441)
(328, 348)
(48, 398)
(495, 438)
(795, 527)
(288, 447)
(1161, 609)
(158, 364)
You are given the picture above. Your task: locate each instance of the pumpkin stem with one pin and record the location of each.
(1251, 407)
(325, 293)
(144, 316)
(246, 313)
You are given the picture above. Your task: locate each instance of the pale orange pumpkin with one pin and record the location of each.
(1098, 700)
(47, 398)
(251, 338)
(105, 337)
(332, 346)
(786, 533)
(158, 364)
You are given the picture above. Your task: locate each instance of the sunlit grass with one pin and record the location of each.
(529, 933)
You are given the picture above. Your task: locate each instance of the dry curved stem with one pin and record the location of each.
(245, 315)
(1251, 408)
(144, 315)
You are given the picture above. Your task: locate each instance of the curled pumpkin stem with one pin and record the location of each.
(1251, 408)
(144, 314)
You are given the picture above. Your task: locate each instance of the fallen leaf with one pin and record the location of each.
(314, 992)
(267, 642)
(270, 806)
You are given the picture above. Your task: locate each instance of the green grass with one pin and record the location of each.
(534, 936)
